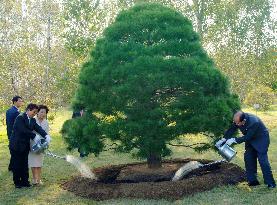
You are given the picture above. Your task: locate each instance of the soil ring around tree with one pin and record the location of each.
(136, 180)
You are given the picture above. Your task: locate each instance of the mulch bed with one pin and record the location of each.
(136, 180)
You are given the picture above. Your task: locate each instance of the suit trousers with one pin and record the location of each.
(10, 164)
(20, 167)
(250, 158)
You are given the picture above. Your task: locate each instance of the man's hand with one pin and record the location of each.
(231, 141)
(220, 142)
(47, 138)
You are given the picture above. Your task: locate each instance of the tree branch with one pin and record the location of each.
(111, 148)
(189, 146)
(203, 133)
(108, 149)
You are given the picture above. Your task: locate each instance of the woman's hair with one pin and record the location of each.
(43, 107)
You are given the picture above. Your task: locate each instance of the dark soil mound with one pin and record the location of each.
(137, 181)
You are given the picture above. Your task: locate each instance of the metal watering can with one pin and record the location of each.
(225, 150)
(40, 146)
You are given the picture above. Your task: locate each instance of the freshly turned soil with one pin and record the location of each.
(136, 180)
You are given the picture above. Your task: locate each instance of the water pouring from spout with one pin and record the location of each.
(81, 166)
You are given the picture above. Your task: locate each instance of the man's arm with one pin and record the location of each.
(8, 123)
(231, 131)
(250, 134)
(10, 120)
(39, 130)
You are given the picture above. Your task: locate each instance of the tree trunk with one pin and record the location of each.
(49, 56)
(48, 51)
(199, 13)
(154, 161)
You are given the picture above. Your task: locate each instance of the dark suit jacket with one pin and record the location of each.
(254, 133)
(76, 114)
(11, 114)
(23, 132)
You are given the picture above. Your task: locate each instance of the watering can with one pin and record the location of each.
(40, 146)
(225, 150)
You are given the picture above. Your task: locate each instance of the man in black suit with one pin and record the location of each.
(256, 138)
(79, 113)
(23, 129)
(11, 114)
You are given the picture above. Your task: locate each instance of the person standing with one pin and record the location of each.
(35, 160)
(11, 114)
(256, 138)
(79, 113)
(23, 129)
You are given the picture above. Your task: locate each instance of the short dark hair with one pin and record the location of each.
(31, 106)
(16, 98)
(43, 107)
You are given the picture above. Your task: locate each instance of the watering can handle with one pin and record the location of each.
(220, 143)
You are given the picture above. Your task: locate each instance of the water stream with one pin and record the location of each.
(190, 166)
(81, 166)
(185, 169)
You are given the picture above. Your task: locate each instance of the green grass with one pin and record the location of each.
(55, 172)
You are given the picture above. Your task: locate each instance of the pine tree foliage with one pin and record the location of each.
(148, 82)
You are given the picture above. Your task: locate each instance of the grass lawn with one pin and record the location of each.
(56, 172)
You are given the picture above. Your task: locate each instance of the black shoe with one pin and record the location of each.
(271, 186)
(82, 155)
(26, 185)
(18, 186)
(254, 183)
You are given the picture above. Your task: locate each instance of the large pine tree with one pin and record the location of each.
(148, 82)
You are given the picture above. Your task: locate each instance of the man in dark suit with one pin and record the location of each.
(11, 114)
(23, 129)
(256, 138)
(79, 113)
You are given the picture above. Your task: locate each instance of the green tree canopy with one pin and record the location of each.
(148, 82)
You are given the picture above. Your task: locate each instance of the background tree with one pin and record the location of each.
(261, 95)
(47, 41)
(34, 61)
(83, 22)
(235, 33)
(148, 82)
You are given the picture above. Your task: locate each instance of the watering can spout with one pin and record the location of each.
(51, 154)
(40, 146)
